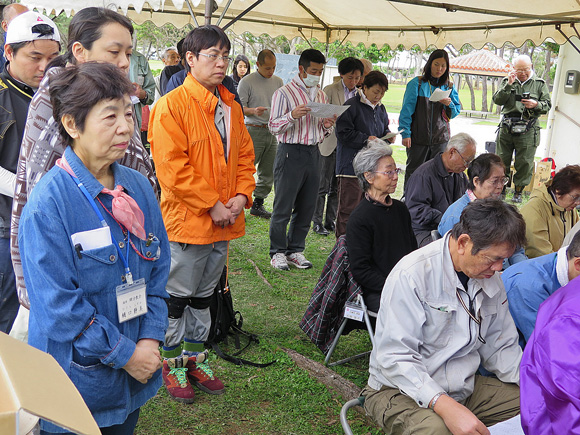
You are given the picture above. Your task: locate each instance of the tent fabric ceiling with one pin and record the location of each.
(406, 22)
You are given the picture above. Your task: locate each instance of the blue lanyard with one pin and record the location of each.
(125, 260)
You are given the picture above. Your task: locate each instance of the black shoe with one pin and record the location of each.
(319, 229)
(258, 210)
(330, 227)
(517, 198)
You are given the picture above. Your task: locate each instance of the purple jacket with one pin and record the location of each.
(550, 368)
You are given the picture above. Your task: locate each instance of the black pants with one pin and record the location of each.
(327, 192)
(296, 179)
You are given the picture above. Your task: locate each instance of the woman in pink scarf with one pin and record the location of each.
(95, 253)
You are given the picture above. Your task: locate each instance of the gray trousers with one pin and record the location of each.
(265, 146)
(296, 178)
(195, 272)
(327, 192)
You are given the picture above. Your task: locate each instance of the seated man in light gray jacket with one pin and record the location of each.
(443, 313)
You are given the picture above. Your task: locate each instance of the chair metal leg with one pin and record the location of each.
(359, 401)
(335, 342)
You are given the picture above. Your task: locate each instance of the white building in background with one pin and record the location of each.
(563, 129)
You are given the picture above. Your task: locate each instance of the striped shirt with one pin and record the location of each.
(307, 130)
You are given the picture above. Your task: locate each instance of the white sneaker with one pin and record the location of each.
(299, 260)
(278, 261)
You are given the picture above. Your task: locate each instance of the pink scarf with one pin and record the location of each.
(125, 209)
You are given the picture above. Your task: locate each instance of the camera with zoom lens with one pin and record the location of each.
(524, 96)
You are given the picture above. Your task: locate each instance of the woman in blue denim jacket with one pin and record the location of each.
(95, 253)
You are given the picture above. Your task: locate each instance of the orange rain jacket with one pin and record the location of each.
(189, 159)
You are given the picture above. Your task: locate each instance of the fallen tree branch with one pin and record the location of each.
(260, 274)
(337, 385)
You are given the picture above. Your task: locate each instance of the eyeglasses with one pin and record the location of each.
(522, 70)
(498, 181)
(467, 162)
(471, 312)
(214, 57)
(576, 199)
(391, 174)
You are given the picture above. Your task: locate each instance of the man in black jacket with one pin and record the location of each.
(32, 41)
(437, 184)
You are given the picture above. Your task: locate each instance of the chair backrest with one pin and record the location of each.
(335, 287)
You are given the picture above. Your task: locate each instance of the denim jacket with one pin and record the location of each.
(73, 313)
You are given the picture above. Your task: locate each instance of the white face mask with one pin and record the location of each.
(310, 81)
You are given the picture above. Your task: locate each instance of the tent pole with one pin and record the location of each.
(223, 13)
(326, 54)
(208, 11)
(244, 12)
(192, 13)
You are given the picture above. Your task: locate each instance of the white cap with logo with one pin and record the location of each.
(31, 26)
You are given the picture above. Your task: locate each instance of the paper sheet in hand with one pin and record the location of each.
(321, 110)
(438, 94)
(391, 134)
(513, 426)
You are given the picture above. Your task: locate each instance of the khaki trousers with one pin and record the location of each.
(492, 401)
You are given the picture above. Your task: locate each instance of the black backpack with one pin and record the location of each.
(227, 323)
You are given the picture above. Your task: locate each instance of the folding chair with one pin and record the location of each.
(336, 298)
(354, 311)
(359, 401)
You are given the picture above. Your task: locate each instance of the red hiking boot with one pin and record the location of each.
(201, 375)
(176, 380)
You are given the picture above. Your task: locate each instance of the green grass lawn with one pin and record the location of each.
(280, 399)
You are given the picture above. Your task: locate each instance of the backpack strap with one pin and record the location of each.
(235, 360)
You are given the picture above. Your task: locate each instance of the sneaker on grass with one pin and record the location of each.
(299, 260)
(175, 379)
(279, 261)
(201, 375)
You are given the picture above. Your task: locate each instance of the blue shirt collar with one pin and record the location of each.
(88, 179)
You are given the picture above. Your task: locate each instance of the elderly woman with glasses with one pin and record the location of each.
(550, 213)
(95, 253)
(486, 180)
(378, 232)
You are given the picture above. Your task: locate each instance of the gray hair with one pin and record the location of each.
(165, 52)
(367, 160)
(523, 57)
(460, 142)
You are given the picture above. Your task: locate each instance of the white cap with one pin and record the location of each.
(24, 28)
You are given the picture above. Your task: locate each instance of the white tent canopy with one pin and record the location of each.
(407, 22)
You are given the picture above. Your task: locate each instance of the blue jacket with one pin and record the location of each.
(527, 285)
(73, 314)
(452, 214)
(353, 129)
(424, 121)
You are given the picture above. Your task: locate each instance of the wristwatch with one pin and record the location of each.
(436, 398)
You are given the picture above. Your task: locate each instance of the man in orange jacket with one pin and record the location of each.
(205, 164)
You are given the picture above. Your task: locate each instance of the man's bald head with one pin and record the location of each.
(10, 12)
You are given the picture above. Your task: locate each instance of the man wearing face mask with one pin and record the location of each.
(296, 173)
(525, 97)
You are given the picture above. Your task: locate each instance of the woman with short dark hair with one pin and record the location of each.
(95, 253)
(366, 119)
(551, 212)
(486, 180)
(425, 122)
(378, 233)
